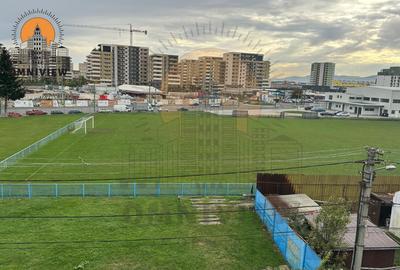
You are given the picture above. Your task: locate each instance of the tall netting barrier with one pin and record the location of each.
(298, 254)
(31, 190)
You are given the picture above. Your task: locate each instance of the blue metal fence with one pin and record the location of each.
(31, 190)
(298, 254)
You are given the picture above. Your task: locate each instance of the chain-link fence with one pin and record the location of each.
(293, 248)
(32, 190)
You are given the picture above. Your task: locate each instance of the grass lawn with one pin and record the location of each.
(143, 241)
(188, 147)
(16, 134)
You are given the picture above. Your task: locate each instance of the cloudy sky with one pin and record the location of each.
(360, 36)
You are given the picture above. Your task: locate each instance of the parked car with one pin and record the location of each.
(318, 110)
(343, 114)
(161, 109)
(121, 108)
(104, 110)
(14, 115)
(327, 114)
(385, 114)
(182, 110)
(308, 108)
(74, 112)
(56, 112)
(35, 112)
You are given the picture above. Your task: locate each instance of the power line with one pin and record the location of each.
(221, 173)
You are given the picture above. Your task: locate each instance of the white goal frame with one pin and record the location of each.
(83, 124)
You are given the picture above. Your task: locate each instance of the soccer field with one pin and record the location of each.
(201, 147)
(140, 233)
(16, 134)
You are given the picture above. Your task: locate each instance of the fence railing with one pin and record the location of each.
(298, 254)
(31, 190)
(11, 160)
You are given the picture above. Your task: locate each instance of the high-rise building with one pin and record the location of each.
(389, 77)
(118, 64)
(322, 74)
(100, 66)
(83, 69)
(39, 59)
(211, 72)
(164, 72)
(188, 72)
(246, 70)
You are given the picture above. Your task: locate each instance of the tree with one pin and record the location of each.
(327, 235)
(11, 87)
(297, 93)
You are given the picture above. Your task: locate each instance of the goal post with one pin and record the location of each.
(83, 124)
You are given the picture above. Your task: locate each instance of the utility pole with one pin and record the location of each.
(368, 175)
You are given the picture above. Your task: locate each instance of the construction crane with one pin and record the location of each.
(131, 30)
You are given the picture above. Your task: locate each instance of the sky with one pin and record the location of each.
(361, 37)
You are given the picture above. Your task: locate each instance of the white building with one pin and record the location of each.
(366, 101)
(389, 77)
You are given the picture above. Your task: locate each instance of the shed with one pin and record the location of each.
(380, 208)
(379, 248)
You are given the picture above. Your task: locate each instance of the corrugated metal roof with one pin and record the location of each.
(375, 237)
(300, 202)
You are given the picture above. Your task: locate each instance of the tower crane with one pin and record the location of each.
(131, 30)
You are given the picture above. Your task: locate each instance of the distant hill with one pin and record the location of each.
(306, 79)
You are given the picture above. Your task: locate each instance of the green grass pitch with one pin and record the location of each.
(195, 147)
(125, 241)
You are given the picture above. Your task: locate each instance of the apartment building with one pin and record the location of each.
(246, 70)
(322, 74)
(389, 77)
(188, 72)
(164, 73)
(211, 73)
(100, 65)
(118, 64)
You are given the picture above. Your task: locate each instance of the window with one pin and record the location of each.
(393, 111)
(369, 109)
(375, 99)
(396, 100)
(385, 100)
(366, 98)
(358, 98)
(352, 97)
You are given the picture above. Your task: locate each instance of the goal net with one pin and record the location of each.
(84, 124)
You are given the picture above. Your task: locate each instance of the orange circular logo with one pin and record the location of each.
(49, 25)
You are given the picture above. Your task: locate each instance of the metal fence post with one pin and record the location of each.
(205, 189)
(2, 191)
(181, 189)
(273, 225)
(83, 190)
(29, 190)
(158, 189)
(56, 189)
(109, 190)
(134, 189)
(304, 257)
